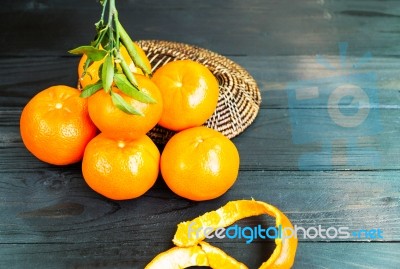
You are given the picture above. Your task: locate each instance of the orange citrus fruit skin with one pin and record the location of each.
(190, 94)
(55, 125)
(203, 254)
(282, 257)
(199, 163)
(92, 73)
(120, 169)
(120, 125)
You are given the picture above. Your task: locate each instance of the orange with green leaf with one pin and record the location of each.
(93, 71)
(55, 125)
(110, 60)
(109, 113)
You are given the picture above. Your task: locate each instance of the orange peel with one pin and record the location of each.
(203, 254)
(191, 250)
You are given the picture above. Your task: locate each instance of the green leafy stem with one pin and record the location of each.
(114, 69)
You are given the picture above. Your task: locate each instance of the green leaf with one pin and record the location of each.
(91, 89)
(128, 73)
(105, 41)
(131, 90)
(128, 43)
(91, 52)
(107, 72)
(119, 102)
(100, 71)
(86, 65)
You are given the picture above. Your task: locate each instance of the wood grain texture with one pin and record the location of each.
(129, 255)
(232, 27)
(54, 205)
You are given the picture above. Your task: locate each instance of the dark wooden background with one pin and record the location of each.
(49, 218)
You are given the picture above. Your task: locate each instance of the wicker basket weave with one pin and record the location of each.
(239, 97)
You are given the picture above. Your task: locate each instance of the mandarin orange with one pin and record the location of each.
(117, 124)
(55, 125)
(199, 163)
(189, 91)
(120, 169)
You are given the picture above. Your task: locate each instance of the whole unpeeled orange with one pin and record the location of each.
(199, 163)
(117, 124)
(189, 91)
(120, 169)
(55, 125)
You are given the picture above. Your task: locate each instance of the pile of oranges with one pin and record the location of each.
(119, 160)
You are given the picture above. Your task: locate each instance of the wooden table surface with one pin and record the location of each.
(323, 156)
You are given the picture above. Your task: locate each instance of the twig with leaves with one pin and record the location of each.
(114, 69)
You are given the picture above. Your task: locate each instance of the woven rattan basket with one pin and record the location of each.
(239, 97)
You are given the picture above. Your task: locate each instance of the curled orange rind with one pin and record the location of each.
(191, 250)
(203, 254)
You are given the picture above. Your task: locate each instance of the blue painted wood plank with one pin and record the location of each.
(231, 27)
(130, 255)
